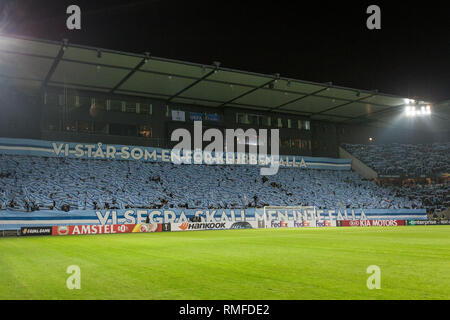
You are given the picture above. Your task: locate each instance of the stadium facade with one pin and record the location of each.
(48, 90)
(61, 94)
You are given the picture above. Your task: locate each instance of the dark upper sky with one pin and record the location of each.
(309, 40)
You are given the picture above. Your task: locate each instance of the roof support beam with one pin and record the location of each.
(195, 83)
(135, 69)
(277, 76)
(300, 98)
(54, 64)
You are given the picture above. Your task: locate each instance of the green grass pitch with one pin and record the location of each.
(316, 263)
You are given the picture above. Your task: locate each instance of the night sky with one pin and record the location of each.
(308, 40)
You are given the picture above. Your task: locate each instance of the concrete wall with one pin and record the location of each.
(357, 165)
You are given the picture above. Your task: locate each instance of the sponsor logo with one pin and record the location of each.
(379, 223)
(92, 229)
(184, 226)
(146, 227)
(166, 227)
(36, 231)
(302, 224)
(241, 225)
(324, 223)
(279, 224)
(372, 223)
(201, 225)
(423, 222)
(62, 231)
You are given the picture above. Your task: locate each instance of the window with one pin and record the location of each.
(84, 126)
(115, 105)
(144, 108)
(253, 119)
(306, 145)
(289, 123)
(307, 125)
(241, 118)
(280, 123)
(297, 143)
(123, 129)
(145, 131)
(101, 128)
(303, 124)
(99, 103)
(61, 100)
(70, 125)
(286, 143)
(267, 121)
(51, 99)
(130, 107)
(51, 125)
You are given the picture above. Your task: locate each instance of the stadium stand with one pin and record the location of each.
(31, 183)
(434, 197)
(411, 161)
(404, 159)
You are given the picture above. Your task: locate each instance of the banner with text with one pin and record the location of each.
(150, 154)
(14, 219)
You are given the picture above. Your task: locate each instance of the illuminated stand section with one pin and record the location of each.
(60, 169)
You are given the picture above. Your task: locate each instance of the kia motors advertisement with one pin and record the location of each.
(371, 223)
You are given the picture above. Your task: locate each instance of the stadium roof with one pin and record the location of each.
(39, 63)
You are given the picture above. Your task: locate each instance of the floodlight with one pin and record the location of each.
(408, 111)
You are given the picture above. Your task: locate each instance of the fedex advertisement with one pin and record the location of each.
(300, 224)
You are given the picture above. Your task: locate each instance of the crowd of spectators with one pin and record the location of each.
(435, 197)
(404, 159)
(29, 183)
